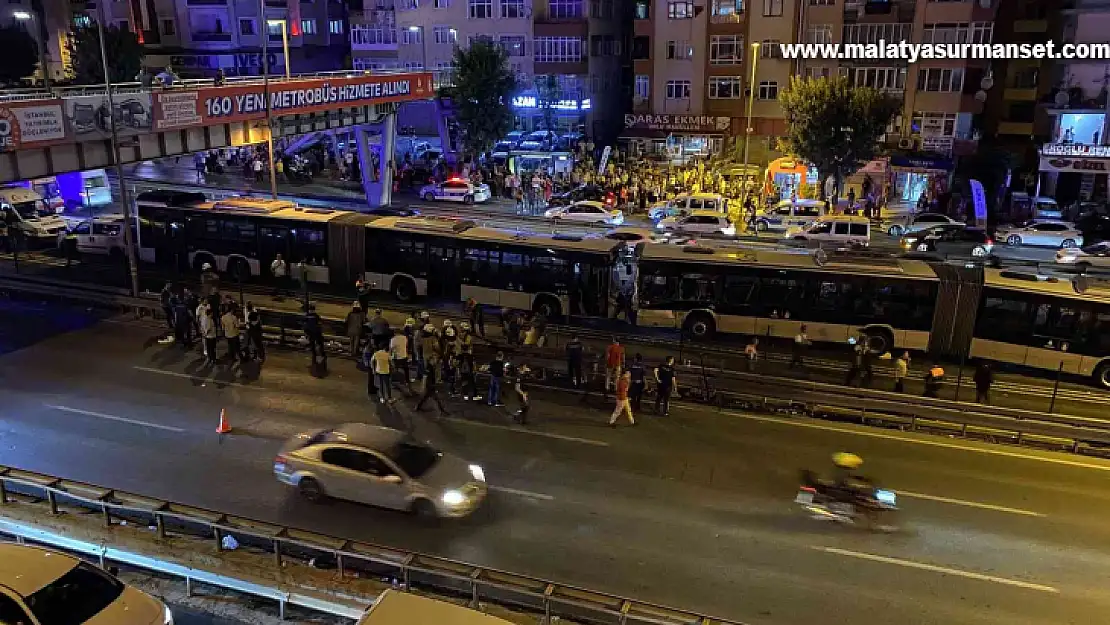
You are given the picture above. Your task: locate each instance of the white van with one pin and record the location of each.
(852, 230)
(686, 203)
(101, 235)
(789, 214)
(31, 213)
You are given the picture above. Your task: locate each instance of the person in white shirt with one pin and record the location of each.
(399, 352)
(280, 270)
(379, 362)
(209, 329)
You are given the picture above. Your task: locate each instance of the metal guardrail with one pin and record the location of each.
(544, 599)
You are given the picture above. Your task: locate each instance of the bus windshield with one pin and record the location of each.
(33, 209)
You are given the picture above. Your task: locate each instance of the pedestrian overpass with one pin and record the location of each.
(46, 133)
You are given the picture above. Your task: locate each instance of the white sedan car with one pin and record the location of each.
(456, 190)
(586, 212)
(920, 221)
(1045, 233)
(699, 222)
(1083, 258)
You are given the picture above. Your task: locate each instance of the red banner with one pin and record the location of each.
(182, 108)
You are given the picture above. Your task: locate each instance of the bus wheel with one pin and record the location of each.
(403, 289)
(700, 326)
(239, 269)
(1102, 375)
(879, 341)
(547, 306)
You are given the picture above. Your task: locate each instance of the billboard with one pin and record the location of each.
(181, 108)
(27, 123)
(88, 118)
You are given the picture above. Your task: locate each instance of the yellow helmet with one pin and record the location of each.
(846, 460)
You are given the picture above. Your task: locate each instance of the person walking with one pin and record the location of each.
(431, 391)
(477, 317)
(856, 364)
(666, 382)
(229, 322)
(356, 319)
(254, 333)
(901, 370)
(751, 353)
(983, 378)
(314, 332)
(801, 342)
(380, 366)
(167, 297)
(525, 406)
(496, 375)
(614, 363)
(623, 405)
(637, 381)
(574, 361)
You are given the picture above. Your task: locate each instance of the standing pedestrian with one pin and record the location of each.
(379, 329)
(856, 363)
(254, 333)
(932, 380)
(477, 317)
(751, 353)
(666, 382)
(399, 352)
(496, 375)
(983, 378)
(356, 319)
(614, 363)
(380, 365)
(521, 415)
(469, 384)
(167, 297)
(636, 390)
(210, 331)
(901, 370)
(182, 323)
(801, 342)
(430, 391)
(280, 271)
(229, 322)
(367, 361)
(314, 332)
(574, 361)
(623, 404)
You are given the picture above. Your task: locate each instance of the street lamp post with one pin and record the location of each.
(25, 16)
(751, 102)
(128, 220)
(266, 95)
(284, 41)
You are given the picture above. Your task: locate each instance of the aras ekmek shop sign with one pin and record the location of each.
(708, 124)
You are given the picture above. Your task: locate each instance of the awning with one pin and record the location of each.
(642, 133)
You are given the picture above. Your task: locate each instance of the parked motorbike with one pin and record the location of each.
(866, 506)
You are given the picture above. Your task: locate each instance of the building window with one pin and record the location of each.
(476, 38)
(678, 89)
(565, 9)
(977, 32)
(412, 35)
(441, 4)
(559, 49)
(727, 9)
(642, 10)
(373, 35)
(768, 90)
(513, 45)
(940, 80)
(887, 78)
(822, 3)
(726, 49)
(933, 124)
(308, 27)
(335, 27)
(169, 28)
(769, 49)
(819, 33)
(414, 66)
(680, 50)
(641, 48)
(772, 8)
(479, 9)
(725, 87)
(680, 10)
(246, 27)
(513, 9)
(444, 34)
(873, 33)
(818, 72)
(643, 87)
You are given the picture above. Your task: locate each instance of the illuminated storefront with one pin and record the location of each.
(567, 115)
(676, 138)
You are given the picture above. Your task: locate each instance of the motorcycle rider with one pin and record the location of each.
(848, 479)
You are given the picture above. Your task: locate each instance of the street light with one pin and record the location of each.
(284, 41)
(751, 102)
(25, 16)
(266, 95)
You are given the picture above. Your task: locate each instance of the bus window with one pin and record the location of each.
(309, 246)
(1055, 322)
(1004, 317)
(738, 290)
(239, 230)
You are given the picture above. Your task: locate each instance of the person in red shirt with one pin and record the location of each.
(623, 405)
(614, 363)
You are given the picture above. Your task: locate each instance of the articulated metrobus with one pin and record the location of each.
(408, 257)
(1005, 316)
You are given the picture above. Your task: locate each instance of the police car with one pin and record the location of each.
(456, 190)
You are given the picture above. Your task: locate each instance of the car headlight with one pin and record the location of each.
(477, 473)
(453, 498)
(167, 616)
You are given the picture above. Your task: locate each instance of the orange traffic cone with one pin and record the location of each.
(224, 427)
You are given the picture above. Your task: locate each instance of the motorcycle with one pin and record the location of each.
(871, 508)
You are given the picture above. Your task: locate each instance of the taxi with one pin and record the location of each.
(456, 190)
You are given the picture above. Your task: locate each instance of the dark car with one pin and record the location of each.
(949, 240)
(589, 192)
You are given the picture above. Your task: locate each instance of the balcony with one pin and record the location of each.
(212, 37)
(869, 11)
(373, 39)
(726, 18)
(547, 16)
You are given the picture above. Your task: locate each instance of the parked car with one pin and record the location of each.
(852, 230)
(590, 192)
(682, 205)
(1042, 233)
(1084, 258)
(790, 214)
(587, 211)
(100, 235)
(41, 586)
(455, 190)
(382, 467)
(701, 222)
(919, 221)
(949, 240)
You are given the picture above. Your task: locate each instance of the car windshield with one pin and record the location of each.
(33, 209)
(414, 459)
(75, 597)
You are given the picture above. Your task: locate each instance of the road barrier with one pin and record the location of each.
(543, 599)
(722, 388)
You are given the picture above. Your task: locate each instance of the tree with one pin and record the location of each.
(834, 126)
(125, 55)
(21, 55)
(548, 93)
(481, 93)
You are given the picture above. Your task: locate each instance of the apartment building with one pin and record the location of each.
(199, 37)
(578, 42)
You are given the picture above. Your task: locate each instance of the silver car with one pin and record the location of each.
(381, 467)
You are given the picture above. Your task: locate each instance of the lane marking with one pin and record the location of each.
(522, 493)
(969, 504)
(520, 430)
(197, 378)
(915, 441)
(110, 417)
(910, 564)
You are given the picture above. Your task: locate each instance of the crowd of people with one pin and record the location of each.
(204, 316)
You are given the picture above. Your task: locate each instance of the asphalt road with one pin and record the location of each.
(693, 511)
